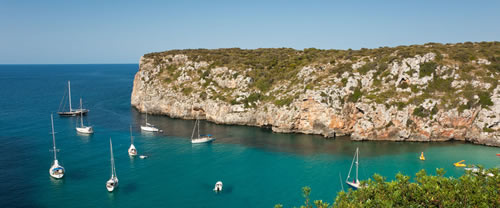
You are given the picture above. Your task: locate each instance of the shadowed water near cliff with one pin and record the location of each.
(258, 168)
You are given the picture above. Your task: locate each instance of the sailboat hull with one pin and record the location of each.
(85, 130)
(56, 171)
(111, 184)
(132, 151)
(202, 140)
(149, 128)
(74, 113)
(353, 185)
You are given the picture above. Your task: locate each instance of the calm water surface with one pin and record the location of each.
(258, 168)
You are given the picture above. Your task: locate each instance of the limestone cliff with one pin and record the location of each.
(429, 92)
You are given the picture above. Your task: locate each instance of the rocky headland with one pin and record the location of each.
(431, 92)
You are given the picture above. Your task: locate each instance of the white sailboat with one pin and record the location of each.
(132, 151)
(71, 111)
(83, 129)
(56, 170)
(218, 186)
(355, 184)
(112, 183)
(200, 138)
(148, 126)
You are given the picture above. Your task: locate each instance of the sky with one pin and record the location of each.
(95, 32)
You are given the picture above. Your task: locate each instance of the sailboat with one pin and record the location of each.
(355, 184)
(56, 170)
(71, 111)
(200, 138)
(148, 126)
(218, 186)
(112, 183)
(83, 129)
(132, 151)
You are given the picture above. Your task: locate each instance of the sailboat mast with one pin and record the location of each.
(194, 129)
(53, 136)
(198, 128)
(81, 113)
(131, 137)
(112, 159)
(357, 163)
(69, 96)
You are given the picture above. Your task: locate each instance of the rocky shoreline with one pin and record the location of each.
(325, 109)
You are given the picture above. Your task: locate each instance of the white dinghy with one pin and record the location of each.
(56, 170)
(218, 186)
(112, 183)
(132, 151)
(83, 129)
(201, 138)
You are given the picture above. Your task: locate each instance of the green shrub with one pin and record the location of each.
(469, 190)
(427, 68)
(486, 129)
(485, 99)
(420, 112)
(354, 97)
(283, 102)
(254, 97)
(187, 90)
(400, 105)
(367, 67)
(344, 81)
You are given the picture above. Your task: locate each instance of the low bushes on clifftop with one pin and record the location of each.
(469, 190)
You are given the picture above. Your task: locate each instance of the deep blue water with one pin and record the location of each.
(258, 168)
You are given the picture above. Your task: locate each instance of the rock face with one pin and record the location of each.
(396, 99)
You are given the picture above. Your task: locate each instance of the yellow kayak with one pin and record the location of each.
(422, 156)
(459, 163)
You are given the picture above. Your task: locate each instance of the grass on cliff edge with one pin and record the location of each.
(469, 190)
(271, 67)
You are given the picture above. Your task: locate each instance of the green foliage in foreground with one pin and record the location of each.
(469, 190)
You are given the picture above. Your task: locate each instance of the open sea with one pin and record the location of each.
(259, 168)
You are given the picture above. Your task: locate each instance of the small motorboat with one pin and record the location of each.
(422, 156)
(498, 154)
(143, 156)
(459, 164)
(218, 186)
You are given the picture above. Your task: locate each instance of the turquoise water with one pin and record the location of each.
(258, 168)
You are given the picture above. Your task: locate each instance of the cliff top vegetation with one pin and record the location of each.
(461, 75)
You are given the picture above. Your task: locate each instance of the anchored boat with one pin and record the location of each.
(355, 184)
(56, 170)
(83, 129)
(201, 138)
(71, 111)
(132, 151)
(112, 183)
(218, 186)
(148, 126)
